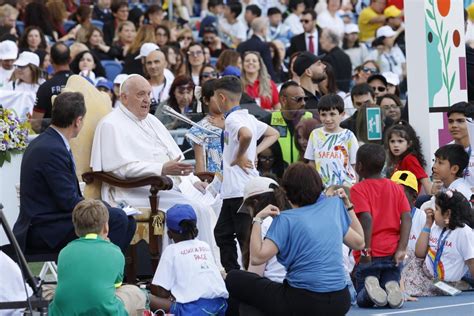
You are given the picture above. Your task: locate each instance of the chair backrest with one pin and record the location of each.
(68, 25)
(98, 24)
(20, 26)
(112, 68)
(98, 104)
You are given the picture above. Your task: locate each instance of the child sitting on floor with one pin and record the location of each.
(90, 270)
(189, 282)
(384, 213)
(446, 244)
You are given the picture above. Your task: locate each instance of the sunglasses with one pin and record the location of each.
(371, 70)
(209, 74)
(188, 38)
(298, 99)
(379, 89)
(305, 21)
(196, 53)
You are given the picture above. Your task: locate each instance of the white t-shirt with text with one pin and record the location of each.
(458, 247)
(333, 154)
(187, 269)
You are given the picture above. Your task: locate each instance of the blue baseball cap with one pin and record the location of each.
(176, 214)
(231, 71)
(105, 84)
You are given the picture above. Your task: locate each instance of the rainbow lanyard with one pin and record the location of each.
(439, 252)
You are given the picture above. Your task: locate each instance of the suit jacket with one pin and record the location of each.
(49, 189)
(298, 44)
(257, 45)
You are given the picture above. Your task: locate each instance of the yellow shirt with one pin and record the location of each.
(367, 30)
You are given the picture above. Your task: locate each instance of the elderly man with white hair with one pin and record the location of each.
(129, 142)
(257, 43)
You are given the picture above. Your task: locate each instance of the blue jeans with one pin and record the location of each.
(383, 268)
(352, 291)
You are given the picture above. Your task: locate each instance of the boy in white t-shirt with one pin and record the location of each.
(332, 149)
(450, 162)
(240, 150)
(188, 279)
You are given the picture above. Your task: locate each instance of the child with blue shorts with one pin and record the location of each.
(188, 279)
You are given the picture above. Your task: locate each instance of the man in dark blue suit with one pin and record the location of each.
(49, 189)
(257, 44)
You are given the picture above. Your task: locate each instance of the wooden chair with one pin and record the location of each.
(151, 222)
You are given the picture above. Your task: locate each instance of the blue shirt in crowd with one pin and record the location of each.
(309, 240)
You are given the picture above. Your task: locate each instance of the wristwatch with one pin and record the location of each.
(257, 220)
(366, 252)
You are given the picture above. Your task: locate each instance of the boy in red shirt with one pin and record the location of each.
(384, 213)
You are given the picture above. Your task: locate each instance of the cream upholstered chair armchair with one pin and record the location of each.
(150, 223)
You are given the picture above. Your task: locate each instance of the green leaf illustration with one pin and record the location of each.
(451, 84)
(448, 57)
(429, 14)
(445, 81)
(446, 39)
(441, 28)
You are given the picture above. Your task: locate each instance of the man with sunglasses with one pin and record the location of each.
(292, 100)
(309, 40)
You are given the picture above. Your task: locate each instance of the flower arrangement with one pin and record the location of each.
(13, 134)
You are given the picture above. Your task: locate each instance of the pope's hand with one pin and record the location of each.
(176, 168)
(201, 186)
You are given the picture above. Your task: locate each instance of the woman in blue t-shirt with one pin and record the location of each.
(307, 241)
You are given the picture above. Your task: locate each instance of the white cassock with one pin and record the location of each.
(128, 148)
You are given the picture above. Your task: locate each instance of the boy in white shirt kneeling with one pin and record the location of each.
(188, 279)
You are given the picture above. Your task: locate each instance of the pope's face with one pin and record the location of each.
(137, 98)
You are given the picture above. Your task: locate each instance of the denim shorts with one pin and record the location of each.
(201, 307)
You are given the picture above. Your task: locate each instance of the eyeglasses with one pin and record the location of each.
(305, 21)
(298, 99)
(380, 88)
(212, 74)
(266, 158)
(371, 70)
(196, 53)
(185, 89)
(390, 106)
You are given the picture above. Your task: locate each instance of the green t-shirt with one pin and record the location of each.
(89, 271)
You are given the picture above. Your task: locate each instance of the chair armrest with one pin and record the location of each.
(205, 176)
(159, 182)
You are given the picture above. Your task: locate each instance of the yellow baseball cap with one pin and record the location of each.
(405, 178)
(470, 11)
(392, 12)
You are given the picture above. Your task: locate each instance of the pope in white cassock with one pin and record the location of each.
(129, 142)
